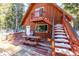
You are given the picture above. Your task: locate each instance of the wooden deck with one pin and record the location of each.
(42, 49)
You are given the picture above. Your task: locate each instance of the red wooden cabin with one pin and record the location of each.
(41, 19)
(40, 14)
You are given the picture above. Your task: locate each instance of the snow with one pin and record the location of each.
(61, 36)
(58, 25)
(4, 33)
(63, 45)
(59, 30)
(7, 49)
(64, 51)
(61, 40)
(59, 33)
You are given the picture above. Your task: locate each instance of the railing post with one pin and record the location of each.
(73, 36)
(53, 46)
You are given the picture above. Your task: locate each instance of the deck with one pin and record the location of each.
(42, 49)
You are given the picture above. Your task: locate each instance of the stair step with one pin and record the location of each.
(60, 36)
(59, 25)
(62, 40)
(60, 54)
(63, 45)
(59, 30)
(64, 51)
(60, 33)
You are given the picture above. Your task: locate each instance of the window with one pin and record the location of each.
(42, 28)
(39, 11)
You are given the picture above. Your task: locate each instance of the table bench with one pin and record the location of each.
(32, 40)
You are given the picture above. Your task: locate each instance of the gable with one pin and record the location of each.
(56, 10)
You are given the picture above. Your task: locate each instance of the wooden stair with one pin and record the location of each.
(61, 40)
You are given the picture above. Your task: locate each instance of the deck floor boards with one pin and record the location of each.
(29, 50)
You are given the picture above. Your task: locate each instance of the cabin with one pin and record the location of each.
(49, 21)
(39, 18)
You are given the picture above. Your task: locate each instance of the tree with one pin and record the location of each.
(19, 15)
(8, 15)
(73, 8)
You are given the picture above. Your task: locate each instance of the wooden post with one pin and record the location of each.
(53, 48)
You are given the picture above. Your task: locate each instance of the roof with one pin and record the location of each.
(54, 4)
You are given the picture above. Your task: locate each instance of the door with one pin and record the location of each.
(28, 30)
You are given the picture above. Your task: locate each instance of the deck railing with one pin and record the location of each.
(73, 36)
(43, 14)
(74, 31)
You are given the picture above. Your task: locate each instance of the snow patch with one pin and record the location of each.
(64, 51)
(63, 45)
(61, 40)
(61, 36)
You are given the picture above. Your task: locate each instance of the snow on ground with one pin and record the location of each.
(27, 51)
(4, 33)
(8, 49)
(64, 51)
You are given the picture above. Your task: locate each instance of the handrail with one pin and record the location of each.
(73, 38)
(53, 28)
(74, 31)
(53, 43)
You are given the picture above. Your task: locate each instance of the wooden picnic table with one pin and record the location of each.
(32, 39)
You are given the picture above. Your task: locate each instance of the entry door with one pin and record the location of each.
(28, 30)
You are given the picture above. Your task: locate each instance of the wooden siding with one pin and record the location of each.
(50, 11)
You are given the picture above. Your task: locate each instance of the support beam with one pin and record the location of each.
(53, 48)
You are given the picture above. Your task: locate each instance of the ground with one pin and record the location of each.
(15, 47)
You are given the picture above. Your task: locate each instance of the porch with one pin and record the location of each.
(42, 49)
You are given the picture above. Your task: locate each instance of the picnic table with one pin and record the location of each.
(32, 39)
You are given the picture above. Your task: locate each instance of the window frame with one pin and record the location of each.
(40, 31)
(38, 9)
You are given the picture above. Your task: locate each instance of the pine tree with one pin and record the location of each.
(73, 8)
(8, 15)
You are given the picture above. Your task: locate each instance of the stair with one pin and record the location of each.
(61, 38)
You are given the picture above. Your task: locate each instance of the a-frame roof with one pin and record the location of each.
(69, 17)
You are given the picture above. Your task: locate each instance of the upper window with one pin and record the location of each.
(42, 28)
(39, 11)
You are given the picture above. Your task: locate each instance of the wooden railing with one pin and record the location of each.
(44, 14)
(53, 41)
(73, 36)
(74, 31)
